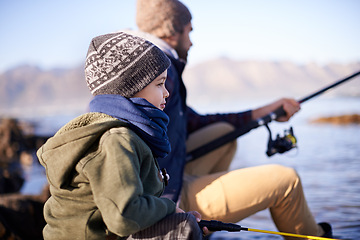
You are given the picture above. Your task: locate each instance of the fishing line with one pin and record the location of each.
(231, 227)
(286, 234)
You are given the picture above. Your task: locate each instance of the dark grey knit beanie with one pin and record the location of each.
(119, 63)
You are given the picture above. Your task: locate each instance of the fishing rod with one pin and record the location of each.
(231, 227)
(328, 87)
(279, 145)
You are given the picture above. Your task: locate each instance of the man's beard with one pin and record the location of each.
(182, 53)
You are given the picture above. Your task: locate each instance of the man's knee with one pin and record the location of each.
(284, 172)
(221, 128)
(288, 172)
(287, 179)
(208, 134)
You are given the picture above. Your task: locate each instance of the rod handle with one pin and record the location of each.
(272, 116)
(280, 112)
(214, 225)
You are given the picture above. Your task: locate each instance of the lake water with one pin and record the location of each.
(327, 160)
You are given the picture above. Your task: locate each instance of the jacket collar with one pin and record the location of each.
(164, 46)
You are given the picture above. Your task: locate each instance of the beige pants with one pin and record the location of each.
(231, 196)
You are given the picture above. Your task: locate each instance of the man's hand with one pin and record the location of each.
(290, 106)
(198, 219)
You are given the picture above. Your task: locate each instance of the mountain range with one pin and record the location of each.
(28, 89)
(227, 80)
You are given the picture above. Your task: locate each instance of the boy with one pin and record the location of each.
(104, 178)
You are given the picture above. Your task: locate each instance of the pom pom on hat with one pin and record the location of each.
(120, 63)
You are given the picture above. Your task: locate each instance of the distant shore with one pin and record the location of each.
(339, 120)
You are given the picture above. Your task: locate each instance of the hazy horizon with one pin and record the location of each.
(52, 34)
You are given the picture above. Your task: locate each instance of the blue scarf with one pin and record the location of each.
(149, 122)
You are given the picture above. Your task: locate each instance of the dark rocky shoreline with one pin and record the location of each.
(21, 216)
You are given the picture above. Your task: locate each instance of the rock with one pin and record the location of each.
(339, 120)
(21, 216)
(17, 145)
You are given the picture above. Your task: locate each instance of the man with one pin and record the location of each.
(205, 184)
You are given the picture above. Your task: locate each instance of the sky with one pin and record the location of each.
(53, 34)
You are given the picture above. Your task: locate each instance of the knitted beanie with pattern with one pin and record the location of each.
(120, 63)
(162, 18)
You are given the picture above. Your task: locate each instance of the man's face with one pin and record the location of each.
(183, 42)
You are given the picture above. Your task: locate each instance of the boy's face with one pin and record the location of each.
(155, 92)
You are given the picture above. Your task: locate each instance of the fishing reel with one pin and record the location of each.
(281, 144)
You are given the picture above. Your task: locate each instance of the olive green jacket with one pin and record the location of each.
(103, 178)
